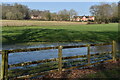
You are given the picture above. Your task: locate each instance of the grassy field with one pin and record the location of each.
(56, 31)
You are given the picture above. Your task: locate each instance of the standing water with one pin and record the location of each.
(19, 57)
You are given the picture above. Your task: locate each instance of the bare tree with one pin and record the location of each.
(103, 12)
(64, 15)
(72, 13)
(54, 17)
(115, 10)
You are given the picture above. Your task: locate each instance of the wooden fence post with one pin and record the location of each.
(6, 65)
(3, 66)
(88, 54)
(113, 50)
(60, 58)
(4, 71)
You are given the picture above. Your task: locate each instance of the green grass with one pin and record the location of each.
(60, 33)
(107, 71)
(113, 73)
(106, 74)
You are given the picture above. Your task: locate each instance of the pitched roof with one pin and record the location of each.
(83, 16)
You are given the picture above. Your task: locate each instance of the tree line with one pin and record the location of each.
(103, 13)
(20, 12)
(62, 15)
(15, 11)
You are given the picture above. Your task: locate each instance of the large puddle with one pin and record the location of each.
(19, 57)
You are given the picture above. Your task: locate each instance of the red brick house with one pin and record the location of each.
(83, 18)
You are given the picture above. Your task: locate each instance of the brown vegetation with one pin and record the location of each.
(38, 23)
(82, 73)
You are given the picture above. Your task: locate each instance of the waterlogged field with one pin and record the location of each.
(21, 31)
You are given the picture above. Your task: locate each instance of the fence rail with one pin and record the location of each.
(60, 59)
(47, 48)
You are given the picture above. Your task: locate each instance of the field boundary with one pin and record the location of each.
(6, 66)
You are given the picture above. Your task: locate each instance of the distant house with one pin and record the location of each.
(35, 17)
(83, 18)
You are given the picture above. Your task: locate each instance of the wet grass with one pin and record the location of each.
(63, 33)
